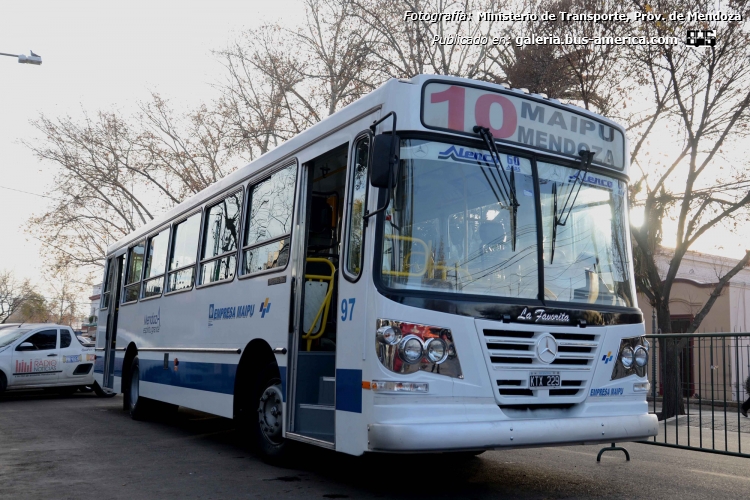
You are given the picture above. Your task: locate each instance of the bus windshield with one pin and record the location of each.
(449, 228)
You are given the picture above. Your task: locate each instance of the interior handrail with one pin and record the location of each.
(325, 306)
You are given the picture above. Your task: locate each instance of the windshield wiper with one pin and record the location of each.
(507, 185)
(586, 157)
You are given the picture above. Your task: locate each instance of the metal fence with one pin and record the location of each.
(699, 379)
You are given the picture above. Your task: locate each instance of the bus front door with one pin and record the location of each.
(115, 267)
(314, 391)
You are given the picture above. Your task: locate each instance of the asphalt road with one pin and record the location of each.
(85, 447)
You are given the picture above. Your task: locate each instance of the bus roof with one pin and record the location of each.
(395, 94)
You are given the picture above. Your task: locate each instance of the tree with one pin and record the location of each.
(13, 294)
(702, 97)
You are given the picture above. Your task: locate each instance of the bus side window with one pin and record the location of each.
(221, 238)
(156, 262)
(357, 207)
(183, 254)
(107, 284)
(269, 222)
(133, 276)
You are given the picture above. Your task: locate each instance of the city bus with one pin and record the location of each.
(443, 265)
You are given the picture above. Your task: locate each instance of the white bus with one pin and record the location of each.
(443, 265)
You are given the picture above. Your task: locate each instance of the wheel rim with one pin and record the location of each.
(134, 384)
(270, 414)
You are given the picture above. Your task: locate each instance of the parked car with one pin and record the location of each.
(45, 356)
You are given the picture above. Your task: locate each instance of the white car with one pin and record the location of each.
(45, 356)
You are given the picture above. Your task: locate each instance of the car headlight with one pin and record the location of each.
(410, 347)
(436, 350)
(632, 358)
(641, 356)
(626, 357)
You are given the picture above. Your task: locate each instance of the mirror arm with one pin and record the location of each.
(391, 161)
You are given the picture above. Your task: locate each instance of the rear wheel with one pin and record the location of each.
(269, 420)
(138, 406)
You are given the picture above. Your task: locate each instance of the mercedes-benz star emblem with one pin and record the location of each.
(546, 348)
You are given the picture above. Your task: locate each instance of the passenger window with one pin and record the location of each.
(107, 284)
(220, 239)
(133, 277)
(44, 340)
(357, 207)
(269, 223)
(64, 339)
(156, 263)
(184, 250)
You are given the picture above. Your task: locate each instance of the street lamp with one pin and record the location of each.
(24, 59)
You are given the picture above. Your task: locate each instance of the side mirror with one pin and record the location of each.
(384, 160)
(26, 346)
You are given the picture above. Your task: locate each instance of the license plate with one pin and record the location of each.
(544, 379)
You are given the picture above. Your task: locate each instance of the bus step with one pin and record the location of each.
(327, 391)
(316, 419)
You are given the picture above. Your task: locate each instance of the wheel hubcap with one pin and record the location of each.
(270, 415)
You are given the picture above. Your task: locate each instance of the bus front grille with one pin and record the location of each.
(512, 359)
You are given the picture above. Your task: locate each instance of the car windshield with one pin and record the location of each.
(10, 335)
(449, 227)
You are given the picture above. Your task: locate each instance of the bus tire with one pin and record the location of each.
(268, 422)
(138, 406)
(101, 393)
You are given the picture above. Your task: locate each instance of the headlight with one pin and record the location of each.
(632, 359)
(436, 350)
(626, 357)
(641, 356)
(410, 349)
(389, 335)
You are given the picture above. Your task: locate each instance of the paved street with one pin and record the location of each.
(83, 446)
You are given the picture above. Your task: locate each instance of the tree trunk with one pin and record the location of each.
(669, 353)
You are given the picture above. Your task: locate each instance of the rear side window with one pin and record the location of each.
(44, 340)
(156, 262)
(64, 339)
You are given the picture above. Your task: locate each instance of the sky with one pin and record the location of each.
(98, 56)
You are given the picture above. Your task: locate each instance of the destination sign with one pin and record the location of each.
(515, 119)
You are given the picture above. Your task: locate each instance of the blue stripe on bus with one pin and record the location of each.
(349, 390)
(213, 377)
(99, 365)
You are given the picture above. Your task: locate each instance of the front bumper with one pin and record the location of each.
(509, 433)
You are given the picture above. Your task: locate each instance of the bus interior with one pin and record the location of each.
(316, 361)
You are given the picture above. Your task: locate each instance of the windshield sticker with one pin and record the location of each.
(466, 155)
(592, 180)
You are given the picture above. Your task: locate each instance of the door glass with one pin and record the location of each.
(44, 340)
(64, 339)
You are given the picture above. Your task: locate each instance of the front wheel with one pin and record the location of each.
(269, 422)
(138, 406)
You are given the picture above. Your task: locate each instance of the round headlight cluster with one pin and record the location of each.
(641, 356)
(410, 349)
(437, 350)
(626, 357)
